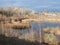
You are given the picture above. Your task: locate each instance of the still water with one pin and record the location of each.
(36, 26)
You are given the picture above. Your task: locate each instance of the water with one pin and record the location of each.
(50, 24)
(36, 26)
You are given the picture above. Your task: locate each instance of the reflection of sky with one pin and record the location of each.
(38, 5)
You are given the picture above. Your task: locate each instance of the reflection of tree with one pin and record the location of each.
(15, 41)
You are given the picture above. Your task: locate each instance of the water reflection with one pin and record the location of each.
(36, 26)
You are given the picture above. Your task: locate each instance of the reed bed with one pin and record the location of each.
(51, 35)
(32, 35)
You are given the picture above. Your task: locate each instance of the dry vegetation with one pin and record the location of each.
(50, 35)
(16, 18)
(55, 30)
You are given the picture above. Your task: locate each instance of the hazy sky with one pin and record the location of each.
(38, 5)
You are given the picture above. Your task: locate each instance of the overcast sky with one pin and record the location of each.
(38, 5)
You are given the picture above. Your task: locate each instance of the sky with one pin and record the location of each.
(37, 5)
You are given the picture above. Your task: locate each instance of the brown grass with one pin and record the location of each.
(55, 30)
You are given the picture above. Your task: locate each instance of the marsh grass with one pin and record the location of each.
(30, 35)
